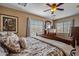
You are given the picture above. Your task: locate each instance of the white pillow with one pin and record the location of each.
(23, 43)
(3, 33)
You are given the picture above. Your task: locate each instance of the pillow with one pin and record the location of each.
(11, 41)
(3, 34)
(10, 36)
(3, 50)
(11, 45)
(23, 43)
(3, 39)
(14, 38)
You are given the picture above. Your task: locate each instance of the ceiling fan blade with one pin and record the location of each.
(60, 4)
(48, 4)
(60, 9)
(22, 4)
(46, 10)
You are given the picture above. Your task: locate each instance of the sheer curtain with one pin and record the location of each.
(36, 27)
(64, 28)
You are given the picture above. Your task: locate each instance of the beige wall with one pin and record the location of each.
(22, 22)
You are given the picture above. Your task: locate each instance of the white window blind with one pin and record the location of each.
(59, 27)
(36, 26)
(63, 27)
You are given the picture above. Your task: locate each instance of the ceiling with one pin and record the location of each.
(38, 9)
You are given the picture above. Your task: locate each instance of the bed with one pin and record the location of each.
(38, 47)
(63, 46)
(35, 46)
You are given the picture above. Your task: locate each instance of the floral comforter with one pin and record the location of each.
(36, 47)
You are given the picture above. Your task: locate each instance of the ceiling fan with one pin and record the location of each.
(77, 6)
(54, 7)
(23, 4)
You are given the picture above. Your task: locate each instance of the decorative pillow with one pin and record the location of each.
(23, 43)
(3, 50)
(2, 34)
(12, 43)
(3, 39)
(13, 37)
(10, 36)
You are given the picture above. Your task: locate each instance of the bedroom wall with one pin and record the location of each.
(22, 16)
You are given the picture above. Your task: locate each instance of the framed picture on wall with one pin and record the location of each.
(9, 23)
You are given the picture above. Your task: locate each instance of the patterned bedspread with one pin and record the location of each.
(39, 48)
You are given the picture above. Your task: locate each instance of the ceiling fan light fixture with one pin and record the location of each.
(53, 9)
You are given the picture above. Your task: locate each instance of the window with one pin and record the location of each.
(59, 27)
(63, 27)
(36, 26)
(67, 27)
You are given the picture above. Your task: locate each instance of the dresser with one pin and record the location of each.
(60, 38)
(75, 34)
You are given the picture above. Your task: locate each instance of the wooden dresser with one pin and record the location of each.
(75, 34)
(53, 36)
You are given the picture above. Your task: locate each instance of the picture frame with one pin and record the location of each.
(9, 23)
